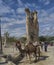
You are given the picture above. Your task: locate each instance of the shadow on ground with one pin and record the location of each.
(3, 63)
(17, 60)
(41, 58)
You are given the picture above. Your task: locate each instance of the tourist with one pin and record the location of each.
(45, 46)
(42, 44)
(18, 45)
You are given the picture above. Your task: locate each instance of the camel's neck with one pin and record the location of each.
(20, 49)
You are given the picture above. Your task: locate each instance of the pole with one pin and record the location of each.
(0, 38)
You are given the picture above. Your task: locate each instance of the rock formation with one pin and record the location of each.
(36, 27)
(32, 26)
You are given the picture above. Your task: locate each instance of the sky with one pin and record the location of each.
(13, 16)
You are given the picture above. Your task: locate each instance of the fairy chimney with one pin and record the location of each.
(27, 24)
(36, 27)
(32, 27)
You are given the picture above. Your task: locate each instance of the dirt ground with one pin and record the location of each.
(47, 58)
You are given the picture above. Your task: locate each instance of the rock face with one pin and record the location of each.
(36, 27)
(32, 26)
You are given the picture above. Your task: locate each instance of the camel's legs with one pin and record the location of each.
(39, 53)
(26, 56)
(35, 56)
(29, 58)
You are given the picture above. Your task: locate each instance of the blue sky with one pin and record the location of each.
(13, 17)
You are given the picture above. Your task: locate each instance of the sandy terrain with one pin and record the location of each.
(46, 59)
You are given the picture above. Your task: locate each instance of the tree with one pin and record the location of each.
(42, 38)
(23, 39)
(6, 37)
(6, 34)
(0, 39)
(12, 39)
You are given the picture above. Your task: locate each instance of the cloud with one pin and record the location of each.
(18, 32)
(20, 3)
(17, 17)
(0, 1)
(45, 2)
(46, 29)
(4, 9)
(7, 23)
(12, 20)
(15, 32)
(46, 22)
(34, 6)
(50, 10)
(20, 10)
(46, 15)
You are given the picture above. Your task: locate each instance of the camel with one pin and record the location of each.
(18, 46)
(29, 49)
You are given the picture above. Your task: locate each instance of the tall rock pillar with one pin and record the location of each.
(28, 24)
(32, 27)
(36, 27)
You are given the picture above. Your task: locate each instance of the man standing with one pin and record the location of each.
(45, 46)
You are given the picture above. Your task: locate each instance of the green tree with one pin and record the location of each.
(12, 39)
(23, 39)
(42, 38)
(6, 36)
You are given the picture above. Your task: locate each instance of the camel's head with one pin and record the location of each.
(18, 41)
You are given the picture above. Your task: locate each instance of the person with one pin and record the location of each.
(18, 45)
(45, 46)
(42, 43)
